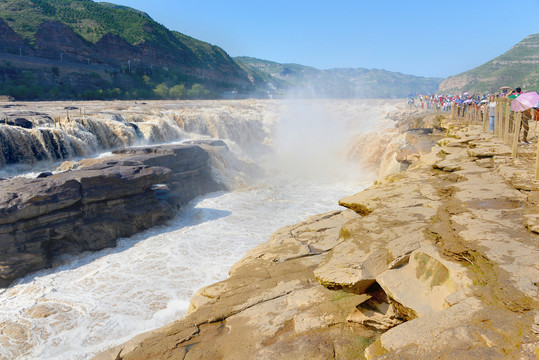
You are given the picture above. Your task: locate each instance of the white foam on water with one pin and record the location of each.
(90, 302)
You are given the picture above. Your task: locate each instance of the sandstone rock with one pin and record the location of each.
(423, 284)
(532, 222)
(22, 198)
(420, 141)
(377, 312)
(360, 203)
(352, 266)
(113, 179)
(237, 318)
(486, 151)
(447, 166)
(430, 335)
(450, 252)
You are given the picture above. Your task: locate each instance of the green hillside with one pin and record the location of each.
(101, 50)
(88, 19)
(517, 67)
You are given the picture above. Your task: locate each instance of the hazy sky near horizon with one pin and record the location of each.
(425, 38)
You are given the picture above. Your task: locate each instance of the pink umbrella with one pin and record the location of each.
(525, 101)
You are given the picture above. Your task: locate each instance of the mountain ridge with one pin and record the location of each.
(517, 67)
(81, 49)
(139, 53)
(337, 82)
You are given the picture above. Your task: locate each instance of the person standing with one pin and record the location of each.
(514, 94)
(491, 113)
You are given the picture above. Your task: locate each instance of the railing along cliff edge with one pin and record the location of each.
(508, 127)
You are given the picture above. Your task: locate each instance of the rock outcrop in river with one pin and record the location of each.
(436, 262)
(104, 199)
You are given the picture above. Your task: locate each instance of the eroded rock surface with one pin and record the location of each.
(90, 207)
(439, 261)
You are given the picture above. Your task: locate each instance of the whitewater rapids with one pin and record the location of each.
(90, 302)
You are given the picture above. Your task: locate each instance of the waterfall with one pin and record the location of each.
(243, 125)
(92, 301)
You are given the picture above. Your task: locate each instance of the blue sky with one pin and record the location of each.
(425, 38)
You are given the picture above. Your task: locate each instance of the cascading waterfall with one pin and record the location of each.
(102, 130)
(93, 301)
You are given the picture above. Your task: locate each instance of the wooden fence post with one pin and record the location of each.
(497, 119)
(485, 118)
(500, 121)
(516, 134)
(507, 123)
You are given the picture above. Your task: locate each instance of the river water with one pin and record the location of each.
(90, 302)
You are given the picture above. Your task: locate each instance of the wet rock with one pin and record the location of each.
(20, 122)
(89, 208)
(210, 142)
(44, 175)
(137, 130)
(189, 165)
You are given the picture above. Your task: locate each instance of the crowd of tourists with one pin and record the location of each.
(465, 103)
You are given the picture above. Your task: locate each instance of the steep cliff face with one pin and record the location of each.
(10, 42)
(54, 40)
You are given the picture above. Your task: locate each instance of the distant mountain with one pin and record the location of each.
(340, 83)
(69, 48)
(81, 49)
(518, 67)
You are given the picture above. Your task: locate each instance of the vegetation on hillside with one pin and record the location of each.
(88, 19)
(24, 84)
(195, 69)
(518, 67)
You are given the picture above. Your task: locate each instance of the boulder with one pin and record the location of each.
(20, 122)
(424, 283)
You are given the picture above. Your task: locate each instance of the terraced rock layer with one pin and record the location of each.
(90, 207)
(436, 262)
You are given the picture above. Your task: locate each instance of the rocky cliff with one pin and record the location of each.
(438, 261)
(88, 208)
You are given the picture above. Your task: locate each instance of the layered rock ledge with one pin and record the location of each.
(436, 262)
(97, 202)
